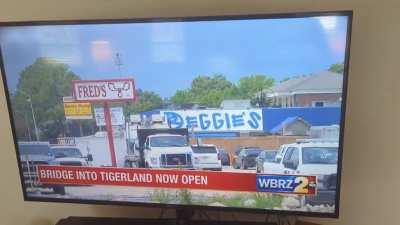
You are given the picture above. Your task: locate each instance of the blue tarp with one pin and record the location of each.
(315, 116)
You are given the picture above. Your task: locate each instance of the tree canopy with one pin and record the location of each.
(337, 68)
(44, 83)
(210, 91)
(147, 100)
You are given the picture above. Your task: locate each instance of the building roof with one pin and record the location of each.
(236, 104)
(322, 82)
(278, 128)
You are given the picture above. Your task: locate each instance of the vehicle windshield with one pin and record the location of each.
(270, 156)
(320, 155)
(253, 152)
(67, 152)
(168, 141)
(34, 150)
(204, 149)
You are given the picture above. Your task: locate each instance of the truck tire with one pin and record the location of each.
(59, 190)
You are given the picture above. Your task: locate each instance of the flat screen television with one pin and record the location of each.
(240, 113)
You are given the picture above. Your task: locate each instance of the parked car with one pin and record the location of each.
(236, 155)
(206, 157)
(33, 154)
(224, 156)
(314, 158)
(265, 156)
(246, 158)
(70, 155)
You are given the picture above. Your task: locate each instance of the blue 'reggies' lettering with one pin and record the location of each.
(254, 119)
(218, 123)
(237, 120)
(215, 120)
(204, 123)
(191, 121)
(174, 119)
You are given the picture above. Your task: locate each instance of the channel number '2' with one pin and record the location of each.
(302, 185)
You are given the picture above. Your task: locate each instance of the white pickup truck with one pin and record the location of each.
(309, 157)
(167, 151)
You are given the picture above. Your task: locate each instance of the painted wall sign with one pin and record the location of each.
(104, 90)
(216, 120)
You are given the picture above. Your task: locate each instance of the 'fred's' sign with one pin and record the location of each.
(104, 90)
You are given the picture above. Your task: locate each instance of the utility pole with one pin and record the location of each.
(29, 99)
(118, 62)
(33, 118)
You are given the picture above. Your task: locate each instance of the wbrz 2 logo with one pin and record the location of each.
(287, 184)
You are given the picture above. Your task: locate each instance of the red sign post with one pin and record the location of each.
(104, 92)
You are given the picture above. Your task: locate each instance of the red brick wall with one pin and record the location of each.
(305, 100)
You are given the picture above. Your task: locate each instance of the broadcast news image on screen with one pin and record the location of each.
(239, 113)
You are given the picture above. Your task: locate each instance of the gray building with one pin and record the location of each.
(317, 90)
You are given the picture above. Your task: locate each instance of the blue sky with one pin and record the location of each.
(164, 57)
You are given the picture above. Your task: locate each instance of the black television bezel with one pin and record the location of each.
(347, 13)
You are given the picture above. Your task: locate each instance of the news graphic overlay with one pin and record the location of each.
(291, 184)
(147, 178)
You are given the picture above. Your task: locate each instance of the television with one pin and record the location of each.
(233, 113)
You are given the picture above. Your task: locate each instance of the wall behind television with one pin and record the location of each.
(371, 153)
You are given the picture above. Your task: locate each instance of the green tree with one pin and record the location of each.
(251, 85)
(44, 84)
(181, 97)
(205, 90)
(337, 68)
(210, 91)
(147, 100)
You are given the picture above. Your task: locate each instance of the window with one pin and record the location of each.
(320, 155)
(168, 141)
(287, 156)
(318, 104)
(204, 149)
(291, 159)
(294, 158)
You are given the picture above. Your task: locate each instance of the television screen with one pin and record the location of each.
(228, 112)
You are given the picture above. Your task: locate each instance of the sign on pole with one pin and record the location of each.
(104, 90)
(76, 110)
(117, 116)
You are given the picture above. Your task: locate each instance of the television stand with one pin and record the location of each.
(183, 217)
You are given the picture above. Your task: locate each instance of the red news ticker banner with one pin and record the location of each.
(147, 178)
